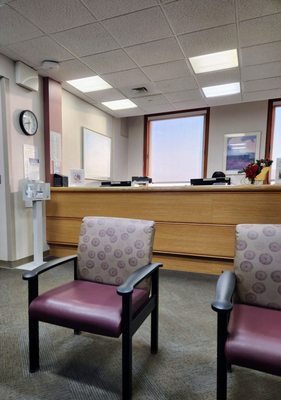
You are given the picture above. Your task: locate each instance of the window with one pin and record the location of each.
(273, 145)
(176, 146)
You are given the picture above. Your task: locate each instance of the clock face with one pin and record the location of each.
(28, 122)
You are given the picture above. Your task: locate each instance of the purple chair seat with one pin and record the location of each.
(254, 338)
(86, 306)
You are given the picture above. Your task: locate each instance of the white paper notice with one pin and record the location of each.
(55, 152)
(31, 162)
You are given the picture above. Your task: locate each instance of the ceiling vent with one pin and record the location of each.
(140, 90)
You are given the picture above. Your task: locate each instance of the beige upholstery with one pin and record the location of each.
(258, 264)
(110, 249)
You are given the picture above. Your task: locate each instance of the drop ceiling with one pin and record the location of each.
(147, 43)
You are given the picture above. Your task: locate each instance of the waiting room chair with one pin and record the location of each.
(248, 305)
(115, 288)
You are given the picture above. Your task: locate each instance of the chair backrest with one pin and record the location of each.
(110, 249)
(257, 264)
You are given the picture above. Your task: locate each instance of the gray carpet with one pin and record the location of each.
(87, 367)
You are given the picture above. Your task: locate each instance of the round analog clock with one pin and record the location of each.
(28, 122)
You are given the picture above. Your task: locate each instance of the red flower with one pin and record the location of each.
(252, 170)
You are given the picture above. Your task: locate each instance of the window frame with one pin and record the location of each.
(272, 104)
(176, 114)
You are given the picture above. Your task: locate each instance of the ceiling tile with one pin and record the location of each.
(262, 84)
(223, 100)
(219, 77)
(133, 77)
(54, 15)
(72, 69)
(209, 41)
(157, 52)
(188, 105)
(268, 70)
(131, 112)
(175, 85)
(170, 70)
(184, 96)
(262, 95)
(39, 49)
(86, 40)
(189, 15)
(157, 108)
(14, 28)
(111, 61)
(139, 27)
(248, 9)
(262, 30)
(157, 99)
(129, 91)
(106, 95)
(112, 8)
(265, 53)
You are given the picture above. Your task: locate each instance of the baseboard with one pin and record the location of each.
(17, 263)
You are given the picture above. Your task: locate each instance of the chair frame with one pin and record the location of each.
(223, 306)
(130, 322)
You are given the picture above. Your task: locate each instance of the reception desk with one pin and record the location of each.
(195, 225)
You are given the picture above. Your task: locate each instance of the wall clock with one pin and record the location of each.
(28, 122)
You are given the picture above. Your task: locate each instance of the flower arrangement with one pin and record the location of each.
(253, 169)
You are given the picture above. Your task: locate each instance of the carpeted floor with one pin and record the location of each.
(87, 367)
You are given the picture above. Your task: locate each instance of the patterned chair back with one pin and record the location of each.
(257, 264)
(110, 249)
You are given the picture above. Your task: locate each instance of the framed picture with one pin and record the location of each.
(76, 177)
(96, 155)
(240, 149)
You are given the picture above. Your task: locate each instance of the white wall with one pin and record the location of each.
(235, 118)
(18, 99)
(135, 146)
(77, 114)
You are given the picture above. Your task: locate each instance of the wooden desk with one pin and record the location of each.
(195, 226)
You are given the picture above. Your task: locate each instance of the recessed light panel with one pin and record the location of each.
(215, 61)
(119, 104)
(90, 84)
(222, 90)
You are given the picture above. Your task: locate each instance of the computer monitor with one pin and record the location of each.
(210, 181)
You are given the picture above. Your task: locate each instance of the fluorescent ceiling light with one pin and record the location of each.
(215, 61)
(89, 84)
(119, 104)
(222, 90)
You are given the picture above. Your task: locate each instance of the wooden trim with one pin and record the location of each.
(146, 143)
(206, 142)
(270, 129)
(177, 112)
(46, 107)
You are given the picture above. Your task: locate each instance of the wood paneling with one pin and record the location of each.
(195, 226)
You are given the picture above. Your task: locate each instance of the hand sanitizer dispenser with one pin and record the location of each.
(34, 193)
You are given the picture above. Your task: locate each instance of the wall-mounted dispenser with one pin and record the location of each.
(26, 77)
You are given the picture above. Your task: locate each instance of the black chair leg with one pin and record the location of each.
(127, 360)
(221, 359)
(77, 332)
(155, 312)
(33, 345)
(154, 331)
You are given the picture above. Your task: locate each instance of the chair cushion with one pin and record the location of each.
(86, 306)
(110, 249)
(254, 339)
(258, 264)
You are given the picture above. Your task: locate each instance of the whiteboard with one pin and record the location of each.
(96, 155)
